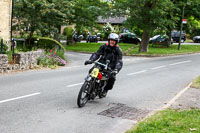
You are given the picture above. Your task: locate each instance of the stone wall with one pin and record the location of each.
(22, 61)
(3, 63)
(5, 17)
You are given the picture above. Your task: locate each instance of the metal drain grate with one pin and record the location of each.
(124, 112)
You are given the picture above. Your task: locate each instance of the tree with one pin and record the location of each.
(42, 16)
(87, 12)
(147, 15)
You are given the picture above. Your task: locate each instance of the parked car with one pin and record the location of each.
(196, 39)
(176, 35)
(160, 40)
(129, 38)
(153, 38)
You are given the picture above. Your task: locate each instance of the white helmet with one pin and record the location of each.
(113, 36)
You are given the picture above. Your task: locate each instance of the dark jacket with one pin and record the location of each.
(106, 52)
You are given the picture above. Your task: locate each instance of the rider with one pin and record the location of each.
(109, 51)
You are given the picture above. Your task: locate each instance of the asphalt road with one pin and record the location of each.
(44, 101)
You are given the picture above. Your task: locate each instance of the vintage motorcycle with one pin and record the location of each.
(94, 83)
(77, 38)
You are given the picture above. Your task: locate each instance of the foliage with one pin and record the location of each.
(161, 16)
(51, 59)
(87, 12)
(42, 16)
(9, 54)
(143, 14)
(168, 121)
(68, 32)
(5, 47)
(48, 43)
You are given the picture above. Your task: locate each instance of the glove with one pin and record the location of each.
(88, 62)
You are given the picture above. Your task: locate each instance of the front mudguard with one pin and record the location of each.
(88, 78)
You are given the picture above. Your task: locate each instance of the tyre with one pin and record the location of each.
(101, 95)
(83, 95)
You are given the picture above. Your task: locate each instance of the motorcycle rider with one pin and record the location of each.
(112, 52)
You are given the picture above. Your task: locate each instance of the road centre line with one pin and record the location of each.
(180, 62)
(21, 97)
(74, 85)
(158, 67)
(137, 72)
(177, 63)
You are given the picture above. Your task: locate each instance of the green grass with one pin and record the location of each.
(196, 83)
(188, 40)
(93, 47)
(162, 50)
(152, 51)
(170, 121)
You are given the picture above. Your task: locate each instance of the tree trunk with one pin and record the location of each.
(169, 38)
(29, 40)
(73, 42)
(145, 41)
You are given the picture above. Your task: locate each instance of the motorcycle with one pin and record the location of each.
(92, 38)
(77, 38)
(95, 83)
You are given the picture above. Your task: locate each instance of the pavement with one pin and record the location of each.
(190, 99)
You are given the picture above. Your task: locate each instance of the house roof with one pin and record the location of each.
(112, 20)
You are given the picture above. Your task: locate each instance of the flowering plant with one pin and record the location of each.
(51, 59)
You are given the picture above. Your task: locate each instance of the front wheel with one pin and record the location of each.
(84, 94)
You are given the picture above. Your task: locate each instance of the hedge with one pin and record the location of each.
(49, 43)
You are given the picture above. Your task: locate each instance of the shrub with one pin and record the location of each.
(51, 59)
(5, 47)
(48, 43)
(68, 32)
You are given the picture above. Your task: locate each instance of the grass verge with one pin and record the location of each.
(152, 51)
(170, 121)
(161, 50)
(196, 83)
(93, 47)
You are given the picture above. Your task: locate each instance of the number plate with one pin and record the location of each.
(95, 72)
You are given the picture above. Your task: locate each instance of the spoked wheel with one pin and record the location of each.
(83, 95)
(101, 94)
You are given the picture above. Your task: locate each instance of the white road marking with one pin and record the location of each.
(180, 62)
(74, 85)
(137, 72)
(16, 98)
(158, 67)
(176, 97)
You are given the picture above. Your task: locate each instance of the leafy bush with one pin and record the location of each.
(48, 43)
(9, 54)
(5, 47)
(51, 59)
(68, 32)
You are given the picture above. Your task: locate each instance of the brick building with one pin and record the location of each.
(5, 19)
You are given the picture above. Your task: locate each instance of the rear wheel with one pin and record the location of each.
(84, 94)
(101, 93)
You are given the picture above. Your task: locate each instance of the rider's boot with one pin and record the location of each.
(104, 93)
